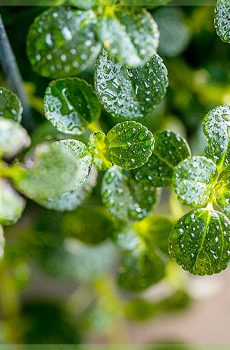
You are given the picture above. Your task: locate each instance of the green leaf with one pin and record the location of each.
(200, 242)
(73, 199)
(222, 194)
(216, 127)
(71, 105)
(222, 20)
(2, 242)
(139, 270)
(130, 93)
(170, 149)
(84, 4)
(91, 225)
(174, 35)
(144, 3)
(61, 42)
(10, 105)
(13, 138)
(124, 197)
(129, 36)
(11, 205)
(130, 144)
(194, 179)
(56, 168)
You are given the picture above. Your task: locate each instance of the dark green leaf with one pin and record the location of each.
(11, 205)
(130, 144)
(169, 150)
(193, 180)
(71, 105)
(130, 93)
(216, 127)
(10, 105)
(61, 42)
(13, 138)
(124, 197)
(222, 19)
(129, 36)
(200, 242)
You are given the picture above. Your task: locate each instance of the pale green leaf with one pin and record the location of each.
(222, 194)
(10, 105)
(11, 204)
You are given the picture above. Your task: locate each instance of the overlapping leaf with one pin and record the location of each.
(11, 204)
(71, 105)
(222, 194)
(222, 19)
(10, 105)
(130, 93)
(169, 150)
(200, 242)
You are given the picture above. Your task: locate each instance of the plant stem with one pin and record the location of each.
(13, 76)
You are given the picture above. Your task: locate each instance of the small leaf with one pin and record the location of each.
(71, 105)
(11, 205)
(71, 200)
(200, 242)
(129, 36)
(222, 20)
(193, 180)
(56, 168)
(169, 150)
(61, 42)
(91, 225)
(139, 270)
(124, 197)
(222, 194)
(216, 127)
(13, 138)
(130, 144)
(130, 93)
(10, 105)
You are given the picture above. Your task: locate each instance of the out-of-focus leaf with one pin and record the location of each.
(130, 93)
(61, 42)
(193, 180)
(10, 105)
(71, 105)
(2, 242)
(13, 138)
(129, 36)
(200, 242)
(11, 204)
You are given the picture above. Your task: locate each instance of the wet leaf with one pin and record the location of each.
(91, 225)
(130, 93)
(139, 270)
(71, 105)
(10, 105)
(129, 36)
(124, 197)
(222, 194)
(56, 168)
(11, 205)
(222, 20)
(130, 144)
(174, 35)
(200, 242)
(193, 180)
(216, 127)
(61, 42)
(13, 138)
(169, 150)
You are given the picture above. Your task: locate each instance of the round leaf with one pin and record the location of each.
(124, 197)
(222, 20)
(200, 242)
(11, 204)
(130, 93)
(71, 105)
(129, 36)
(61, 42)
(216, 127)
(130, 144)
(10, 105)
(193, 180)
(13, 138)
(169, 150)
